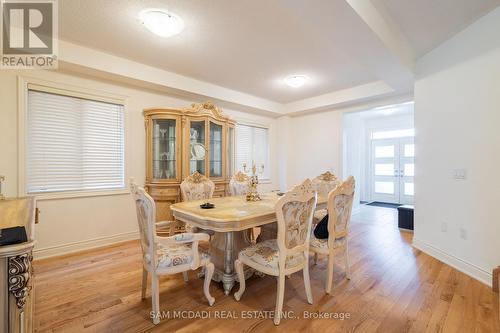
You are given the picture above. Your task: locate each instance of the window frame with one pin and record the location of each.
(267, 127)
(24, 83)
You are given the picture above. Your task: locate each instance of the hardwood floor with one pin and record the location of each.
(394, 288)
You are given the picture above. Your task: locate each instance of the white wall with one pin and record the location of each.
(72, 224)
(316, 146)
(457, 117)
(354, 152)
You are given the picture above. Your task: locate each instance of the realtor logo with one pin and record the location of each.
(29, 34)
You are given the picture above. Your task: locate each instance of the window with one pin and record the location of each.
(73, 144)
(393, 134)
(252, 145)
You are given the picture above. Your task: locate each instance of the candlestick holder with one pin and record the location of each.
(253, 194)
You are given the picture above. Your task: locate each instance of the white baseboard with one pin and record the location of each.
(463, 266)
(51, 251)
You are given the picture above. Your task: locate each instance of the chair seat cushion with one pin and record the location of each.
(176, 255)
(322, 244)
(266, 254)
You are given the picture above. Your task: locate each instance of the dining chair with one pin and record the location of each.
(167, 255)
(239, 184)
(289, 253)
(323, 184)
(339, 204)
(197, 187)
(163, 228)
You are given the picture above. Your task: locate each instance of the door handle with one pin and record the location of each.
(395, 173)
(402, 173)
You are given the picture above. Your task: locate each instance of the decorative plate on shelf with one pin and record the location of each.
(197, 151)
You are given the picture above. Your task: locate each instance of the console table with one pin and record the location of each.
(16, 272)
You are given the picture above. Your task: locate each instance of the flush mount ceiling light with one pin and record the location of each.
(161, 22)
(296, 81)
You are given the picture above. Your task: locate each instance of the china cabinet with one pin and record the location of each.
(182, 141)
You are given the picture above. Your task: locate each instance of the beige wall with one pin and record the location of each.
(76, 223)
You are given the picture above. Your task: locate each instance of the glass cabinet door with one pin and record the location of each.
(230, 151)
(164, 149)
(197, 147)
(215, 161)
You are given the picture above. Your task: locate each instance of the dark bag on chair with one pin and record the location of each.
(14, 235)
(321, 230)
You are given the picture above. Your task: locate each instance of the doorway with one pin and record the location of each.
(392, 170)
(379, 151)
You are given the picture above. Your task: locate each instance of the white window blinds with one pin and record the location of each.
(73, 144)
(252, 145)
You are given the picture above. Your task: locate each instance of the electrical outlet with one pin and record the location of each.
(444, 227)
(463, 233)
(460, 174)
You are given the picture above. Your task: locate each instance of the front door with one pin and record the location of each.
(406, 170)
(392, 170)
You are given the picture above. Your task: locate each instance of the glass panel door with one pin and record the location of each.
(164, 145)
(407, 171)
(393, 170)
(215, 161)
(197, 147)
(385, 170)
(230, 152)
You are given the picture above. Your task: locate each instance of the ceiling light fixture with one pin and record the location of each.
(296, 81)
(161, 22)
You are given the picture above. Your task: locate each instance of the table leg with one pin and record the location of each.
(228, 276)
(224, 249)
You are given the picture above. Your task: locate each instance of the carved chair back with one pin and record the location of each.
(294, 212)
(339, 209)
(239, 184)
(325, 182)
(197, 187)
(146, 212)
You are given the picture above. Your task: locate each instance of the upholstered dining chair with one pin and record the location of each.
(163, 228)
(289, 253)
(340, 202)
(167, 255)
(323, 184)
(239, 184)
(197, 187)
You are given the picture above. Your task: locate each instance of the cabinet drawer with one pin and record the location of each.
(163, 192)
(219, 194)
(220, 188)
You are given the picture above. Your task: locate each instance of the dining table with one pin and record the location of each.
(231, 219)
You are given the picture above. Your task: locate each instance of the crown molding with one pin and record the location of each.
(93, 63)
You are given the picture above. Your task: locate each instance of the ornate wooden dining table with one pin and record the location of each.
(231, 219)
